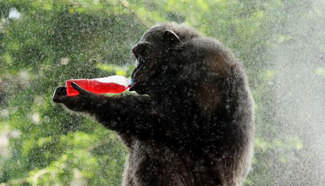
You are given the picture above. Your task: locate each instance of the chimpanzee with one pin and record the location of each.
(191, 122)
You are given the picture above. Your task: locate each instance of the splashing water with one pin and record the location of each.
(300, 99)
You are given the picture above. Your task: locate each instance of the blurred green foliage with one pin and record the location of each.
(54, 40)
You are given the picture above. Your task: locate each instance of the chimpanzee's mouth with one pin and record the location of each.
(138, 87)
(137, 70)
(132, 87)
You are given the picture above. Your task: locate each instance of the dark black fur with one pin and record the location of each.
(192, 123)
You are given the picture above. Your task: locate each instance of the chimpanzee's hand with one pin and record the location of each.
(82, 102)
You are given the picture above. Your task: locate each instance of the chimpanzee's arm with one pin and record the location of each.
(129, 115)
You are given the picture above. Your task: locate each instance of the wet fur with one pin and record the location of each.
(194, 123)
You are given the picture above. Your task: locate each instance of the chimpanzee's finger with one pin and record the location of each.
(78, 88)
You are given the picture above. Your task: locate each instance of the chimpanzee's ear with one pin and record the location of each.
(171, 37)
